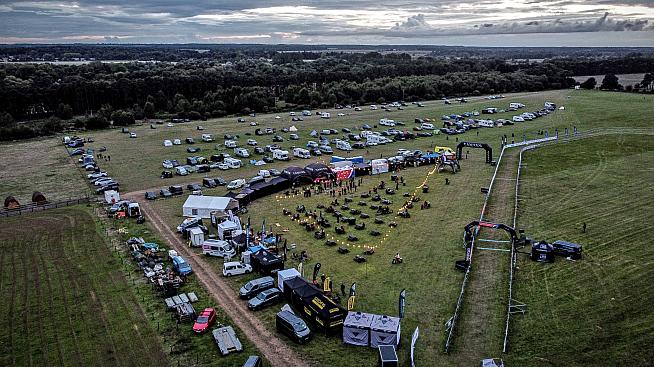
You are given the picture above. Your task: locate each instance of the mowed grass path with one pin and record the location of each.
(65, 301)
(596, 311)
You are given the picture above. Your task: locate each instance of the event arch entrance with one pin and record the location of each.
(486, 147)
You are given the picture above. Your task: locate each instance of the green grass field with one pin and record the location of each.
(65, 301)
(571, 318)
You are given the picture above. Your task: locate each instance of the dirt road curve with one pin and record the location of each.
(268, 343)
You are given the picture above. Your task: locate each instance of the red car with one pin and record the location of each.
(205, 320)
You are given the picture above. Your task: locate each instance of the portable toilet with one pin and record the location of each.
(245, 257)
(196, 236)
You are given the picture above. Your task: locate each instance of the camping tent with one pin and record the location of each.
(196, 236)
(202, 206)
(38, 198)
(385, 330)
(356, 328)
(296, 174)
(318, 170)
(292, 129)
(11, 202)
(284, 275)
(379, 166)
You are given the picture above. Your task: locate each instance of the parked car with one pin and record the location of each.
(181, 266)
(220, 181)
(326, 149)
(265, 298)
(193, 187)
(293, 326)
(176, 190)
(236, 184)
(190, 141)
(204, 321)
(166, 174)
(165, 193)
(150, 195)
(236, 268)
(112, 186)
(252, 142)
(253, 287)
(274, 172)
(294, 137)
(192, 149)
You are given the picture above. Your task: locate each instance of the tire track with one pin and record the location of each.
(48, 285)
(274, 350)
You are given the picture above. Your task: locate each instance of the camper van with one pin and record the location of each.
(486, 123)
(325, 115)
(343, 145)
(232, 163)
(218, 248)
(301, 153)
(373, 139)
(242, 152)
(516, 105)
(236, 184)
(230, 144)
(387, 122)
(207, 138)
(280, 155)
(373, 107)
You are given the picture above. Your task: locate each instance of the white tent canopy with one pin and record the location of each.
(385, 330)
(202, 206)
(286, 274)
(356, 328)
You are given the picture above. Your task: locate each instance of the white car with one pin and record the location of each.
(223, 166)
(340, 114)
(132, 135)
(236, 268)
(518, 119)
(252, 123)
(312, 144)
(170, 124)
(357, 108)
(177, 142)
(277, 117)
(236, 184)
(427, 126)
(167, 164)
(252, 142)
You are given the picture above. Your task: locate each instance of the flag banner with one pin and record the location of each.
(316, 269)
(414, 339)
(350, 303)
(402, 302)
(353, 290)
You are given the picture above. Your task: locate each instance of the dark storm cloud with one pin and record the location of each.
(325, 21)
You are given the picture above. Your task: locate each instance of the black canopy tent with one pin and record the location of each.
(362, 169)
(319, 170)
(266, 262)
(296, 175)
(299, 294)
(290, 284)
(323, 313)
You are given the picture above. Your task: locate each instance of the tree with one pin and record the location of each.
(590, 83)
(122, 118)
(648, 82)
(96, 122)
(64, 111)
(610, 82)
(148, 110)
(6, 119)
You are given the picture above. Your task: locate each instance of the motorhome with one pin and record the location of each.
(280, 155)
(325, 115)
(230, 144)
(373, 139)
(233, 163)
(301, 153)
(485, 123)
(343, 145)
(516, 105)
(218, 248)
(167, 143)
(242, 152)
(386, 122)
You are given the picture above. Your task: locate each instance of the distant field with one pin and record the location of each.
(624, 79)
(38, 165)
(596, 311)
(65, 301)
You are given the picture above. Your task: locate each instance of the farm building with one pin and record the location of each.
(203, 206)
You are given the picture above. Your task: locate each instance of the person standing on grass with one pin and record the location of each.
(583, 228)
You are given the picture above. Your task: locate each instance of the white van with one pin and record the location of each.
(325, 115)
(291, 113)
(386, 122)
(264, 173)
(373, 107)
(427, 126)
(373, 139)
(177, 142)
(218, 248)
(301, 153)
(280, 155)
(230, 144)
(242, 152)
(207, 138)
(343, 145)
(516, 105)
(233, 163)
(486, 123)
(518, 119)
(168, 143)
(236, 268)
(236, 184)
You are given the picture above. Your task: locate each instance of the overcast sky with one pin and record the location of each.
(436, 22)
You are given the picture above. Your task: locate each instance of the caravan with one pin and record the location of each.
(232, 163)
(486, 123)
(343, 145)
(230, 144)
(280, 155)
(301, 153)
(242, 152)
(207, 138)
(325, 115)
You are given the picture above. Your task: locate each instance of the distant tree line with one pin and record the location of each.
(100, 93)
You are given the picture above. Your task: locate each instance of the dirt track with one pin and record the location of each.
(274, 349)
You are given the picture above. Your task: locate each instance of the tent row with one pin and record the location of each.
(370, 330)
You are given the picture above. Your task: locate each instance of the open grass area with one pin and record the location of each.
(596, 311)
(38, 165)
(65, 300)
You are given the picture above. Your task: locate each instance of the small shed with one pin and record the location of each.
(356, 328)
(111, 196)
(196, 236)
(11, 202)
(202, 206)
(284, 275)
(542, 252)
(385, 330)
(38, 198)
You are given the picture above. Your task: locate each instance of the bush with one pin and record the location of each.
(122, 118)
(96, 122)
(17, 133)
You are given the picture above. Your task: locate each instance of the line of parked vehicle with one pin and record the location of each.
(98, 178)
